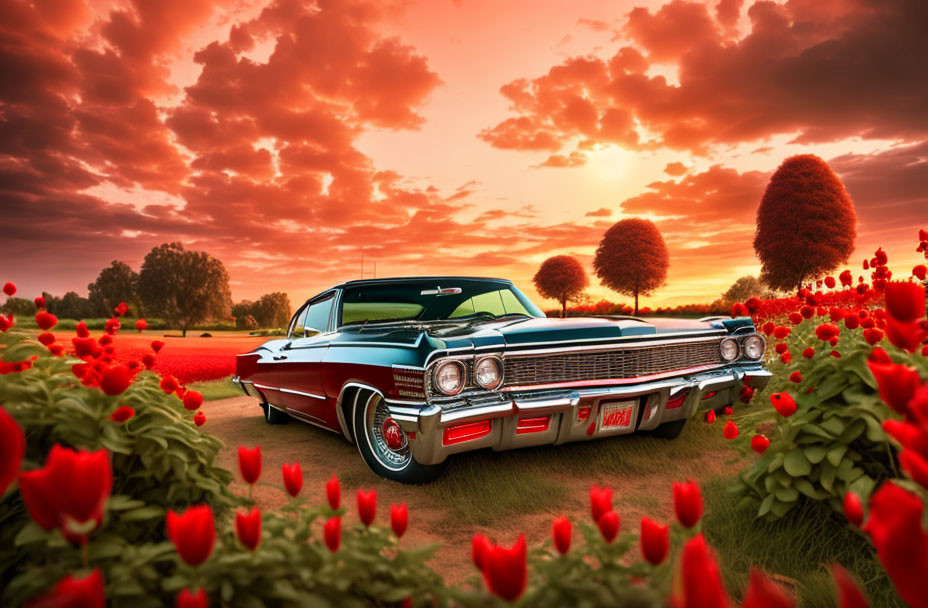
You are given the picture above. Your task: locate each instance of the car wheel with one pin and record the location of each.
(384, 445)
(272, 415)
(670, 430)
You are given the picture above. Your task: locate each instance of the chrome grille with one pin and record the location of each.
(610, 364)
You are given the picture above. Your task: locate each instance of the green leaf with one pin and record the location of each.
(796, 463)
(30, 533)
(815, 453)
(833, 425)
(787, 494)
(149, 512)
(836, 453)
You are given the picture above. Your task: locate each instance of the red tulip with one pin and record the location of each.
(827, 331)
(600, 501)
(835, 354)
(141, 324)
(105, 340)
(480, 546)
(846, 278)
(731, 430)
(9, 289)
(786, 358)
(784, 404)
(112, 326)
(764, 593)
(249, 463)
(332, 533)
(56, 350)
(729, 410)
(505, 572)
(923, 235)
(193, 400)
(6, 322)
(895, 527)
(122, 413)
(655, 541)
(896, 384)
(905, 301)
(853, 510)
(248, 528)
(739, 310)
(907, 336)
(687, 502)
(561, 529)
(87, 592)
(333, 492)
(830, 282)
(148, 360)
(702, 582)
(781, 347)
(915, 466)
(849, 594)
(169, 384)
(157, 345)
(746, 394)
(795, 318)
(759, 443)
(852, 321)
(199, 419)
(82, 331)
(69, 492)
(85, 347)
(367, 506)
(868, 323)
(768, 327)
(399, 519)
(920, 272)
(293, 478)
(873, 336)
(12, 449)
(197, 599)
(795, 377)
(46, 339)
(45, 320)
(115, 380)
(192, 533)
(609, 525)
(710, 416)
(121, 309)
(781, 332)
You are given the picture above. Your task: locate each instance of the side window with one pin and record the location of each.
(296, 326)
(317, 317)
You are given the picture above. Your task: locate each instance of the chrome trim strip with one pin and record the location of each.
(293, 392)
(412, 367)
(363, 344)
(306, 418)
(265, 387)
(608, 347)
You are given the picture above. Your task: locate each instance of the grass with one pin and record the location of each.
(217, 389)
(483, 487)
(798, 548)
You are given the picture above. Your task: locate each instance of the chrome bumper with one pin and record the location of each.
(703, 391)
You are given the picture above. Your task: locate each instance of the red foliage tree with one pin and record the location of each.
(632, 258)
(806, 223)
(561, 278)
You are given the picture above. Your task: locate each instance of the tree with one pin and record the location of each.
(806, 223)
(272, 310)
(561, 278)
(243, 309)
(747, 287)
(184, 287)
(116, 283)
(74, 306)
(632, 258)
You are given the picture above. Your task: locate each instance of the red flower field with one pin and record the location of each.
(189, 359)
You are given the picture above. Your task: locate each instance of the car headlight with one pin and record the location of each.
(730, 349)
(754, 347)
(488, 372)
(449, 377)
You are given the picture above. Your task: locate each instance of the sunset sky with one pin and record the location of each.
(472, 137)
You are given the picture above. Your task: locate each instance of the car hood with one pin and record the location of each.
(527, 333)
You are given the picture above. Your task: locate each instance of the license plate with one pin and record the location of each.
(616, 415)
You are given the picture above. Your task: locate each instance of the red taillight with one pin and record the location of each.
(584, 413)
(709, 395)
(466, 432)
(533, 425)
(675, 402)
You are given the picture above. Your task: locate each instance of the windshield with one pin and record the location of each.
(426, 300)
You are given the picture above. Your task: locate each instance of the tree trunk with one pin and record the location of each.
(636, 303)
(183, 331)
(564, 308)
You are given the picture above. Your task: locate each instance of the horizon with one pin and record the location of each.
(444, 138)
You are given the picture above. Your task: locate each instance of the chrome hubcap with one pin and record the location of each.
(386, 439)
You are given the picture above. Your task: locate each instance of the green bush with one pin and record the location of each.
(835, 441)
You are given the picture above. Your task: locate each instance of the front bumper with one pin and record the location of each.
(574, 414)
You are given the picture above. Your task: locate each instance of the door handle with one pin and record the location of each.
(280, 358)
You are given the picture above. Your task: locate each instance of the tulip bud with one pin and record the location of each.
(332, 533)
(655, 541)
(399, 519)
(687, 502)
(561, 532)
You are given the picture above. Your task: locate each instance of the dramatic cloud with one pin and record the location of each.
(818, 71)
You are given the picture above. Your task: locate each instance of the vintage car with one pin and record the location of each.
(412, 370)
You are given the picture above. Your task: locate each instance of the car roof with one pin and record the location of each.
(387, 280)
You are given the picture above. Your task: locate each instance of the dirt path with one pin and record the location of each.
(239, 421)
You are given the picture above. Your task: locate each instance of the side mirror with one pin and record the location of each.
(309, 332)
